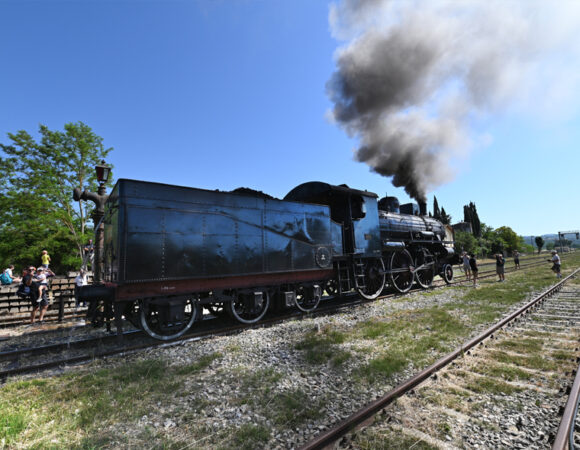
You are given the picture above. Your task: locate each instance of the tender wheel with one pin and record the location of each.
(167, 319)
(308, 298)
(401, 271)
(447, 273)
(249, 307)
(424, 268)
(374, 279)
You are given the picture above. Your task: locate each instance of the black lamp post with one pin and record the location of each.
(99, 199)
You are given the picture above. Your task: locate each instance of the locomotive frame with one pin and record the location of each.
(170, 251)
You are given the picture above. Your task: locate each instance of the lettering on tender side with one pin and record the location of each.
(167, 288)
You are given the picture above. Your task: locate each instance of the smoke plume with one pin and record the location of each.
(415, 75)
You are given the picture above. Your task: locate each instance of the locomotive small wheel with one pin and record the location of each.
(401, 271)
(425, 268)
(156, 321)
(215, 309)
(306, 300)
(447, 274)
(246, 309)
(374, 280)
(331, 287)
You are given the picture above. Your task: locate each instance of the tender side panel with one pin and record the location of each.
(217, 234)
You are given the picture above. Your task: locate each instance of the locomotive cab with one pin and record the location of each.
(360, 266)
(356, 211)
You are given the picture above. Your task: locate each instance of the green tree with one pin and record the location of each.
(38, 177)
(444, 217)
(470, 215)
(465, 242)
(436, 211)
(539, 243)
(510, 238)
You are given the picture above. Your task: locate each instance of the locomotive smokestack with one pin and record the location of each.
(416, 75)
(422, 208)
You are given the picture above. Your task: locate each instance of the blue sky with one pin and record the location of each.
(222, 94)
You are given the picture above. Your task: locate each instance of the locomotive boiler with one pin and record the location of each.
(172, 251)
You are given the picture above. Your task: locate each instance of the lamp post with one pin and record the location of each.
(99, 199)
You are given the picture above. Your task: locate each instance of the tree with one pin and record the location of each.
(470, 215)
(539, 243)
(436, 211)
(510, 238)
(444, 217)
(465, 241)
(38, 177)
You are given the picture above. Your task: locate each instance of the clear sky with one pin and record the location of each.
(221, 94)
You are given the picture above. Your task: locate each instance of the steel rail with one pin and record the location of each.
(565, 434)
(327, 438)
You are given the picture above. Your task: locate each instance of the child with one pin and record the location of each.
(42, 280)
(45, 258)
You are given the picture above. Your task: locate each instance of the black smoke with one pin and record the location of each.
(415, 74)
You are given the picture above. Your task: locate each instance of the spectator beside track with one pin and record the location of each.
(474, 269)
(499, 266)
(7, 277)
(29, 289)
(556, 260)
(45, 259)
(466, 266)
(41, 278)
(517, 259)
(80, 281)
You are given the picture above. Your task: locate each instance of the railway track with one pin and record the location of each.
(9, 321)
(59, 348)
(504, 388)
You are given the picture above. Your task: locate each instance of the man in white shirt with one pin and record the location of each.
(80, 281)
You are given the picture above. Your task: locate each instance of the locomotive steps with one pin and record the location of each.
(263, 388)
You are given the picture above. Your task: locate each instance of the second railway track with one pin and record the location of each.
(507, 391)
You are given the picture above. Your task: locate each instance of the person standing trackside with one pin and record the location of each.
(80, 281)
(499, 266)
(466, 266)
(517, 259)
(556, 267)
(474, 269)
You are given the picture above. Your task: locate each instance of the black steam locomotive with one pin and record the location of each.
(171, 251)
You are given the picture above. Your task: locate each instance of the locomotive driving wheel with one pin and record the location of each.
(249, 307)
(167, 319)
(374, 279)
(424, 268)
(401, 271)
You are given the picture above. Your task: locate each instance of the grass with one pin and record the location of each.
(373, 439)
(505, 371)
(250, 436)
(69, 410)
(323, 347)
(491, 386)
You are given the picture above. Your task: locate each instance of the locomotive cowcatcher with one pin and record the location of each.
(170, 251)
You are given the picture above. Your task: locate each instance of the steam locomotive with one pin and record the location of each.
(170, 251)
